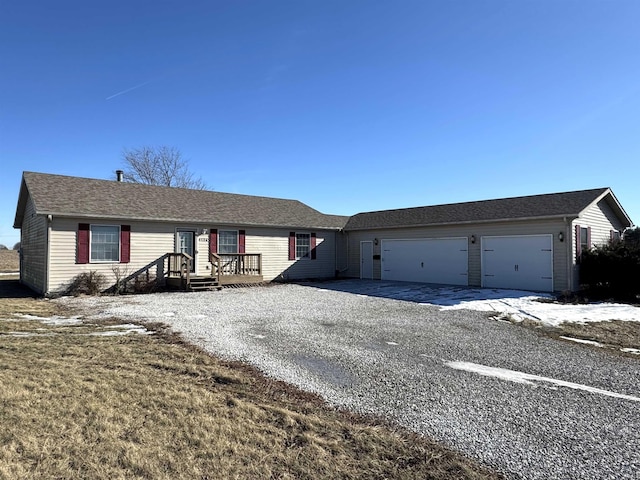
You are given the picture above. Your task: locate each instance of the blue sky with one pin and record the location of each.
(345, 105)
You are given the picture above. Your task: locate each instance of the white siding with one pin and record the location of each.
(601, 218)
(273, 244)
(553, 227)
(151, 241)
(33, 244)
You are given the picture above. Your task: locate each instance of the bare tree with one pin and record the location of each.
(159, 166)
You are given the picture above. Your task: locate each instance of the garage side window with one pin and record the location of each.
(105, 243)
(583, 240)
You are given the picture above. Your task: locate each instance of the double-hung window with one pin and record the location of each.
(303, 245)
(105, 243)
(228, 241)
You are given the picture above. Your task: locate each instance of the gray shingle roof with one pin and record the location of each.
(568, 204)
(91, 198)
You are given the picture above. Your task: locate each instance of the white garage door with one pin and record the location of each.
(428, 260)
(518, 262)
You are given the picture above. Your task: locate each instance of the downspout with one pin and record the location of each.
(47, 256)
(569, 247)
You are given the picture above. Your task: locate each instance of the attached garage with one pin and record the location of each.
(427, 260)
(522, 262)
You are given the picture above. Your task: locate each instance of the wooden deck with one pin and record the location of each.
(227, 269)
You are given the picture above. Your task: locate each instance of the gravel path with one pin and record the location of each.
(393, 358)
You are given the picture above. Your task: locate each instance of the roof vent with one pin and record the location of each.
(119, 175)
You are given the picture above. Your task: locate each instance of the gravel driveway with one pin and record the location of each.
(452, 375)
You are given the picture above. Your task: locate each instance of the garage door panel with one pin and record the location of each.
(518, 262)
(426, 260)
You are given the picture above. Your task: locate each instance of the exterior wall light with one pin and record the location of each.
(473, 239)
(561, 236)
(376, 241)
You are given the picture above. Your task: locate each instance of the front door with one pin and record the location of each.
(366, 260)
(186, 244)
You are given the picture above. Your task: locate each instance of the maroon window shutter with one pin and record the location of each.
(83, 243)
(589, 237)
(292, 245)
(213, 240)
(578, 242)
(125, 243)
(241, 237)
(313, 246)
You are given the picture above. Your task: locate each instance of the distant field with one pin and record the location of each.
(9, 261)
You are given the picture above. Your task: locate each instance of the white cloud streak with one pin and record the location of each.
(128, 90)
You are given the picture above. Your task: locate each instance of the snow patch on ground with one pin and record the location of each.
(528, 379)
(122, 330)
(635, 351)
(548, 313)
(54, 321)
(582, 340)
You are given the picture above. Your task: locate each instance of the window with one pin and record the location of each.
(105, 243)
(227, 241)
(584, 239)
(615, 236)
(303, 245)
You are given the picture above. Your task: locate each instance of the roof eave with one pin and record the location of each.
(181, 221)
(467, 222)
(22, 202)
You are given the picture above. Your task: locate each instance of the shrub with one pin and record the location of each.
(87, 283)
(612, 270)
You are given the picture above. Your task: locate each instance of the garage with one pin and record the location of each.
(522, 262)
(427, 260)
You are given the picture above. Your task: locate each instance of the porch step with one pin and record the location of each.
(198, 284)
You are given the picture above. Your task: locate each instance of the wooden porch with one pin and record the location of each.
(226, 269)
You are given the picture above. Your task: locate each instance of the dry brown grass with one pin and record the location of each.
(9, 261)
(73, 405)
(616, 333)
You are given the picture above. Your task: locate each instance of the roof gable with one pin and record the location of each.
(60, 195)
(567, 204)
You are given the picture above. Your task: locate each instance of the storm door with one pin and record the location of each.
(185, 243)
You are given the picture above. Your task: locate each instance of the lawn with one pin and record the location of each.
(82, 401)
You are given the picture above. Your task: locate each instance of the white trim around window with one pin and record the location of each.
(303, 246)
(104, 244)
(228, 241)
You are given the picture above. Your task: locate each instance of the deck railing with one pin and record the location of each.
(235, 264)
(179, 266)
